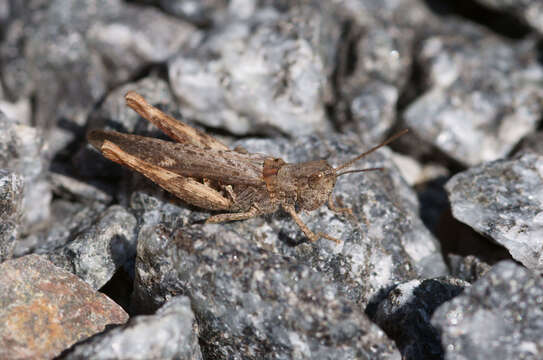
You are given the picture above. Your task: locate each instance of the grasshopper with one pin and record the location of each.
(204, 172)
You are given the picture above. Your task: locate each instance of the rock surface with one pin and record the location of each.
(499, 317)
(484, 93)
(11, 192)
(46, 309)
(252, 303)
(171, 333)
(300, 80)
(504, 201)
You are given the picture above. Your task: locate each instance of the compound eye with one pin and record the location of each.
(316, 176)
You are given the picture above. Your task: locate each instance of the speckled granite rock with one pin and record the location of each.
(68, 219)
(499, 317)
(70, 53)
(484, 93)
(171, 333)
(504, 201)
(45, 309)
(96, 253)
(247, 76)
(21, 151)
(11, 190)
(374, 61)
(333, 78)
(250, 302)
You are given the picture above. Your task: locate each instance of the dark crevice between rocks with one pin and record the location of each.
(500, 22)
(119, 288)
(460, 239)
(409, 325)
(337, 109)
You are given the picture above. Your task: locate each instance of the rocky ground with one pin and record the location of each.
(442, 255)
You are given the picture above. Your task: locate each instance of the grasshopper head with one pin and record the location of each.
(317, 185)
(315, 188)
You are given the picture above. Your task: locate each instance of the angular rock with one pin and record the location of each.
(484, 93)
(267, 73)
(498, 317)
(68, 219)
(11, 190)
(95, 254)
(45, 309)
(375, 58)
(21, 152)
(250, 302)
(503, 200)
(404, 314)
(72, 52)
(68, 186)
(113, 113)
(171, 333)
(137, 37)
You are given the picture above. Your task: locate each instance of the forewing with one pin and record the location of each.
(224, 166)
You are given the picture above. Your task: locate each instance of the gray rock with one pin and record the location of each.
(404, 314)
(171, 333)
(68, 219)
(138, 37)
(19, 110)
(484, 93)
(11, 190)
(266, 73)
(528, 11)
(375, 62)
(72, 187)
(498, 317)
(504, 200)
(72, 52)
(251, 303)
(113, 113)
(95, 254)
(21, 152)
(373, 108)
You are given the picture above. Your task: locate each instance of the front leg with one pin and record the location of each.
(341, 209)
(310, 234)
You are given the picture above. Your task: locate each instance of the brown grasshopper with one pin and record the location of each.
(204, 172)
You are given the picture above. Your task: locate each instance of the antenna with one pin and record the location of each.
(350, 162)
(358, 170)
